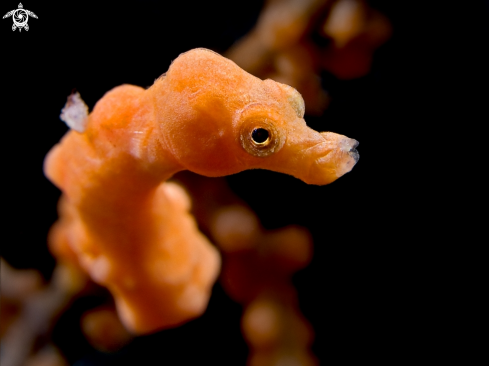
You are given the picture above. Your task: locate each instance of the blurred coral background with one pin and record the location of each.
(363, 292)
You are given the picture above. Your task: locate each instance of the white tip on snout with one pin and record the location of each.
(347, 146)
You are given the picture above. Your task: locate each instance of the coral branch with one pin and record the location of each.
(257, 269)
(37, 305)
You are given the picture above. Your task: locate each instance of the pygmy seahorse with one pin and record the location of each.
(132, 232)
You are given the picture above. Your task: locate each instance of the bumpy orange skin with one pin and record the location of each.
(131, 231)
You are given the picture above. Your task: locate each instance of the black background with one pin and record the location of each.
(370, 291)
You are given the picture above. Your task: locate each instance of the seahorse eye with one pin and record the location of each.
(259, 133)
(260, 136)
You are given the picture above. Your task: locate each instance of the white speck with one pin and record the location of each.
(75, 113)
(100, 269)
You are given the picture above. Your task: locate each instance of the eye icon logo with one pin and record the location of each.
(20, 17)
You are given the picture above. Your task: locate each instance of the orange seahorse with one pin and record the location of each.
(131, 231)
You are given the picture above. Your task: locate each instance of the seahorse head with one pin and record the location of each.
(222, 120)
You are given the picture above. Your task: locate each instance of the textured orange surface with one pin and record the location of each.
(131, 231)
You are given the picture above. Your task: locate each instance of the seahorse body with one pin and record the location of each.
(131, 231)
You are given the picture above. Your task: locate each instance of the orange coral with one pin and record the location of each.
(104, 330)
(294, 40)
(257, 268)
(133, 233)
(356, 31)
(258, 276)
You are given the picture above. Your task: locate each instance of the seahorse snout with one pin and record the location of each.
(333, 158)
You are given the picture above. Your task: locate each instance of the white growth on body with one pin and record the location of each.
(75, 113)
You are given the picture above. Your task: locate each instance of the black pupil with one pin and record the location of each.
(259, 135)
